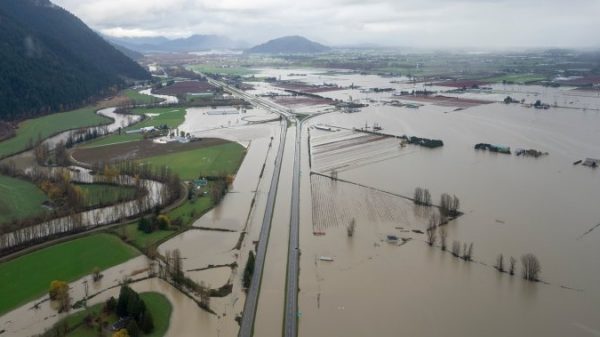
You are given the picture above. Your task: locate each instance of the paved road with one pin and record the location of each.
(248, 317)
(290, 318)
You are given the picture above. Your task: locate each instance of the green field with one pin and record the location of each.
(516, 78)
(28, 277)
(43, 127)
(191, 210)
(188, 212)
(105, 194)
(141, 239)
(215, 69)
(172, 117)
(158, 305)
(139, 98)
(210, 161)
(19, 199)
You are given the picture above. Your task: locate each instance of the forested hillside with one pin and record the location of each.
(51, 61)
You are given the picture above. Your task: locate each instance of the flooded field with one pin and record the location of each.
(385, 280)
(513, 205)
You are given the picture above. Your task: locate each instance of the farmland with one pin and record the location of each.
(19, 199)
(66, 261)
(171, 117)
(208, 161)
(43, 127)
(137, 98)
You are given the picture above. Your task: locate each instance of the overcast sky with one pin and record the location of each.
(418, 23)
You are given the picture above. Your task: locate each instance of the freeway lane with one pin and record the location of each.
(290, 321)
(250, 305)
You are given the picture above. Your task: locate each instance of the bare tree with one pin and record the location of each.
(512, 263)
(456, 248)
(432, 229)
(500, 263)
(531, 267)
(351, 227)
(467, 251)
(443, 237)
(422, 196)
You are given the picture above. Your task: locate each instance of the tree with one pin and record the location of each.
(121, 333)
(432, 229)
(249, 270)
(96, 274)
(500, 263)
(443, 237)
(531, 267)
(351, 227)
(422, 196)
(512, 263)
(147, 322)
(456, 248)
(110, 305)
(59, 292)
(122, 302)
(163, 222)
(177, 268)
(132, 328)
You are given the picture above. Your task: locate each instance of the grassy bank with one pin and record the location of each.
(43, 127)
(28, 277)
(19, 199)
(157, 304)
(209, 161)
(172, 117)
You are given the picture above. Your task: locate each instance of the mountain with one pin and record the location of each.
(51, 61)
(132, 54)
(190, 44)
(289, 45)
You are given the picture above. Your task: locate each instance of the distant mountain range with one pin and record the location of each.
(51, 61)
(190, 44)
(160, 44)
(289, 45)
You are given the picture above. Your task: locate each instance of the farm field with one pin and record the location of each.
(208, 161)
(517, 78)
(19, 199)
(43, 127)
(215, 69)
(139, 98)
(158, 116)
(67, 261)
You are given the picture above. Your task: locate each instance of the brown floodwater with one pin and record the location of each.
(512, 205)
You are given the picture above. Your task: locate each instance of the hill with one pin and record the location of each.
(190, 44)
(51, 61)
(289, 45)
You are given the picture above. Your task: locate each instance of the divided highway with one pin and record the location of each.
(290, 324)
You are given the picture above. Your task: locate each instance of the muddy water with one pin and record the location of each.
(269, 313)
(27, 321)
(513, 205)
(167, 99)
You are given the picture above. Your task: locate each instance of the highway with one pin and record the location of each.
(290, 318)
(290, 323)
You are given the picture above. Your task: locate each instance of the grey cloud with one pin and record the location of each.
(433, 23)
